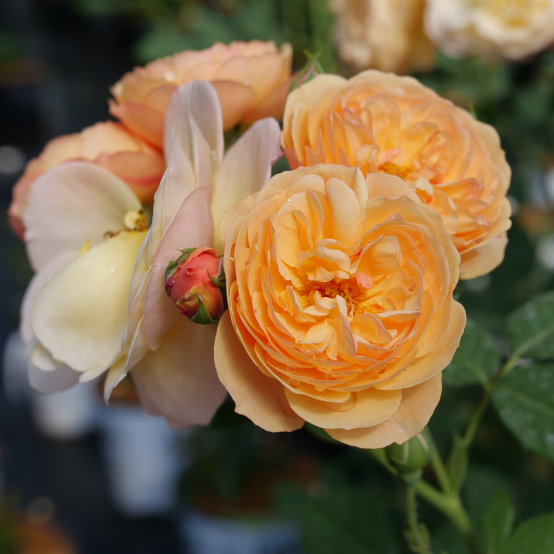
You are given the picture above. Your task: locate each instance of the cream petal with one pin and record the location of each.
(436, 360)
(70, 204)
(371, 407)
(192, 227)
(81, 313)
(195, 102)
(179, 381)
(238, 210)
(246, 168)
(259, 398)
(415, 411)
(34, 288)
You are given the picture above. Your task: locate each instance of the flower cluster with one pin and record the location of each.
(395, 35)
(321, 294)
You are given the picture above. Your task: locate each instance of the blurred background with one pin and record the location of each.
(77, 476)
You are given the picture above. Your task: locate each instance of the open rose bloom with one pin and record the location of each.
(340, 306)
(497, 29)
(382, 34)
(252, 80)
(383, 123)
(106, 144)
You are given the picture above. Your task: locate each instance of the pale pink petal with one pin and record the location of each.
(179, 381)
(192, 227)
(70, 204)
(198, 102)
(415, 411)
(259, 398)
(246, 167)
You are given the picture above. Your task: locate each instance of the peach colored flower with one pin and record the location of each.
(340, 306)
(384, 123)
(251, 80)
(382, 34)
(107, 144)
(498, 29)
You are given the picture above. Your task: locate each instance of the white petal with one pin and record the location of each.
(81, 313)
(195, 102)
(179, 381)
(70, 204)
(246, 168)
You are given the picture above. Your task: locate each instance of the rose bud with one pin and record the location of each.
(196, 283)
(409, 458)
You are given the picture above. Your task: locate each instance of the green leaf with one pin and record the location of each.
(476, 359)
(530, 326)
(525, 401)
(345, 521)
(457, 463)
(534, 536)
(497, 520)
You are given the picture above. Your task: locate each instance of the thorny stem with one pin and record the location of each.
(418, 539)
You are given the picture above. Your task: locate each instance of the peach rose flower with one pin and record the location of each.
(382, 34)
(388, 124)
(107, 144)
(498, 29)
(251, 79)
(340, 306)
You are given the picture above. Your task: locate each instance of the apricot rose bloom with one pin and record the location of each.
(251, 80)
(498, 29)
(340, 306)
(106, 144)
(383, 123)
(382, 34)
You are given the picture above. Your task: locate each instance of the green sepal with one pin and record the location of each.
(310, 71)
(172, 266)
(202, 317)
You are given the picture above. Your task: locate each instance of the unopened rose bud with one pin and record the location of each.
(409, 458)
(196, 284)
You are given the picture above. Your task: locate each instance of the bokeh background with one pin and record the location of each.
(77, 476)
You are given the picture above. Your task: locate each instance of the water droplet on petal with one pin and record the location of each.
(319, 388)
(330, 377)
(291, 368)
(248, 262)
(288, 199)
(380, 371)
(298, 340)
(257, 311)
(294, 383)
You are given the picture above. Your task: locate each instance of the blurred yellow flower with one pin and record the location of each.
(509, 29)
(382, 34)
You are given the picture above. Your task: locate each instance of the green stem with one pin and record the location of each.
(419, 541)
(437, 463)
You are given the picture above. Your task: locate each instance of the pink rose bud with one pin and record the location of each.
(196, 284)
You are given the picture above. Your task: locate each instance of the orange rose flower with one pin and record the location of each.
(251, 80)
(340, 306)
(384, 123)
(107, 144)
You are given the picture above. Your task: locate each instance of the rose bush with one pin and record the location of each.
(106, 144)
(494, 29)
(388, 124)
(382, 34)
(251, 80)
(340, 306)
